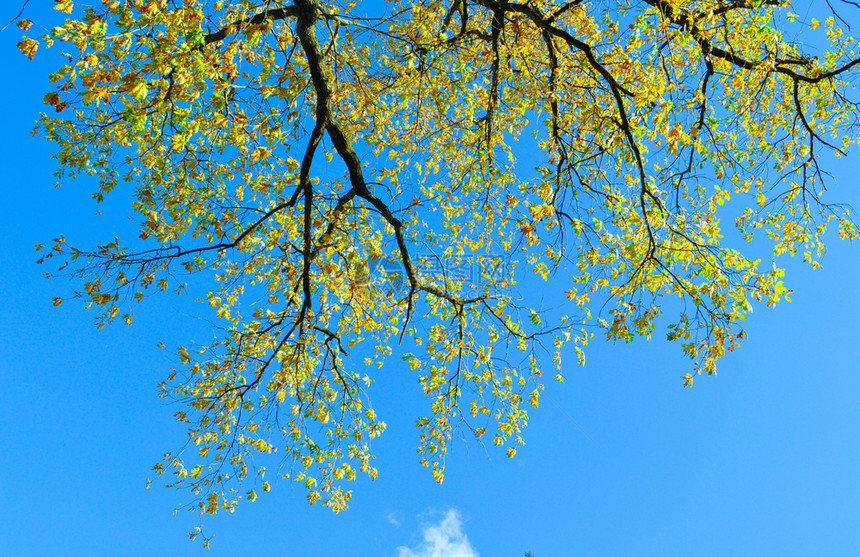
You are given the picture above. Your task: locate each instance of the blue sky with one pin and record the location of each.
(759, 460)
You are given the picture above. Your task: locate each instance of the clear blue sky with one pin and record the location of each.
(762, 459)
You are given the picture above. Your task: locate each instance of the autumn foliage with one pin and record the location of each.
(312, 169)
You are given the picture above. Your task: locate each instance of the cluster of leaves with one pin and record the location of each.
(282, 151)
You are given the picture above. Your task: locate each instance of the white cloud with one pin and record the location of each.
(393, 518)
(445, 539)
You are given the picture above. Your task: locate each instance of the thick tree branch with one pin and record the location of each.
(268, 15)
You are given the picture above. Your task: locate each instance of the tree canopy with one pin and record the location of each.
(342, 183)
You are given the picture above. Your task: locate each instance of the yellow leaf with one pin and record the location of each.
(28, 46)
(65, 6)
